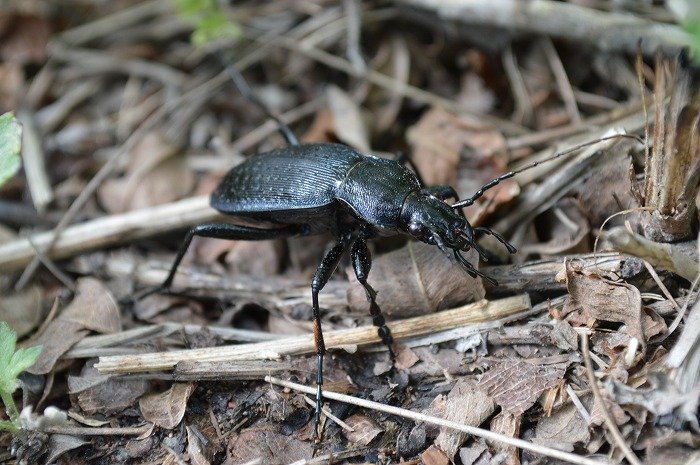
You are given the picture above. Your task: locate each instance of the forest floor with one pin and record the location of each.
(585, 352)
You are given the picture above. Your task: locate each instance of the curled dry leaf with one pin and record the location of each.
(348, 124)
(93, 309)
(156, 174)
(23, 310)
(167, 408)
(516, 384)
(364, 430)
(567, 232)
(414, 280)
(604, 300)
(195, 449)
(465, 405)
(564, 428)
(509, 425)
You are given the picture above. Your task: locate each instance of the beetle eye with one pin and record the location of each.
(414, 228)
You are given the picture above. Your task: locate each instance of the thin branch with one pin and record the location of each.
(416, 416)
(609, 422)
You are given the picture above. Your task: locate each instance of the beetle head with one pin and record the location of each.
(431, 220)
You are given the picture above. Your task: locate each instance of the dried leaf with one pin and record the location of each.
(564, 428)
(434, 456)
(348, 124)
(414, 280)
(195, 449)
(516, 384)
(465, 405)
(157, 174)
(23, 310)
(605, 300)
(264, 445)
(167, 408)
(508, 425)
(365, 429)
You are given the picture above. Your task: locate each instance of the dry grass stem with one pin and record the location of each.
(468, 314)
(416, 416)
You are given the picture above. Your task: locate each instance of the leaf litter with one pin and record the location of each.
(151, 113)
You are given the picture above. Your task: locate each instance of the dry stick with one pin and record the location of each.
(461, 316)
(610, 423)
(613, 32)
(393, 85)
(111, 164)
(34, 160)
(420, 417)
(562, 80)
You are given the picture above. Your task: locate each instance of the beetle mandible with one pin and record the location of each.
(312, 188)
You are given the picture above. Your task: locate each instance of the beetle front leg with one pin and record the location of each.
(323, 274)
(362, 263)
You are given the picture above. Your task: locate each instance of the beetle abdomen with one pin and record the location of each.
(298, 177)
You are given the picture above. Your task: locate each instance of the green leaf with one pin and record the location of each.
(10, 146)
(13, 363)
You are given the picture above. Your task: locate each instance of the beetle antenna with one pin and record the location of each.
(511, 248)
(468, 202)
(243, 86)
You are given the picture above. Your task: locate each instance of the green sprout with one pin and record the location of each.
(12, 363)
(208, 20)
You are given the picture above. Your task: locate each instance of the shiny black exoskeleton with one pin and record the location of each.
(306, 189)
(312, 188)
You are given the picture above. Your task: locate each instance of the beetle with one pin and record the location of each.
(313, 188)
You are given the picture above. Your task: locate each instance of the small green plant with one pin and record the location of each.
(208, 20)
(10, 145)
(12, 363)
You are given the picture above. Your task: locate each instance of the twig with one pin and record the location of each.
(420, 417)
(565, 91)
(34, 160)
(610, 423)
(461, 316)
(659, 254)
(607, 31)
(328, 413)
(109, 230)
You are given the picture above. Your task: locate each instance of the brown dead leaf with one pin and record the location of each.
(508, 425)
(516, 384)
(195, 449)
(23, 310)
(156, 174)
(24, 39)
(564, 428)
(434, 456)
(98, 393)
(265, 445)
(365, 429)
(348, 124)
(167, 408)
(605, 300)
(92, 309)
(414, 280)
(465, 405)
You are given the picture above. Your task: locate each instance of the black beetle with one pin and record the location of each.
(311, 188)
